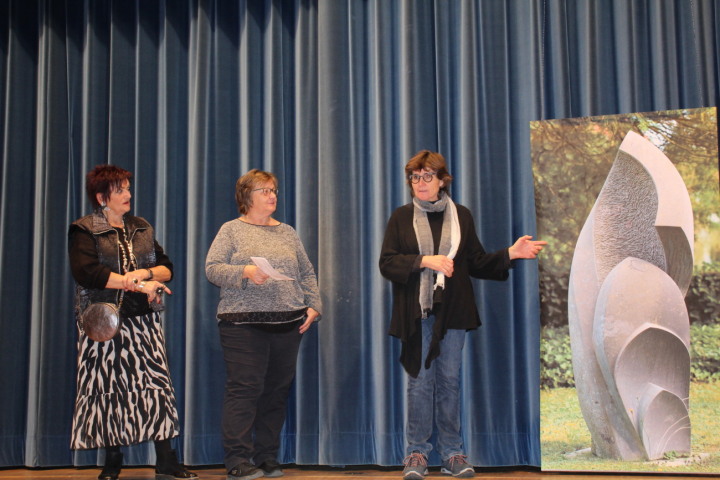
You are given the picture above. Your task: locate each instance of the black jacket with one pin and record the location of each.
(398, 256)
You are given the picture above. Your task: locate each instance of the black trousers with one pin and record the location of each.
(260, 367)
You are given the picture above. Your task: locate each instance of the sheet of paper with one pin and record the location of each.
(264, 265)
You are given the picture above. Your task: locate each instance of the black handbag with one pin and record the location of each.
(101, 320)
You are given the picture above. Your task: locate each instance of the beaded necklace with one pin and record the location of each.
(128, 257)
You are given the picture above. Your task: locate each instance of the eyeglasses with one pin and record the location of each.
(428, 176)
(267, 191)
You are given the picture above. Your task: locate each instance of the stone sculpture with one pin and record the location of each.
(629, 326)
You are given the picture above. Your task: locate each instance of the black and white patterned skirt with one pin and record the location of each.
(124, 392)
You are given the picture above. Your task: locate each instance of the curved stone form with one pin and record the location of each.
(629, 327)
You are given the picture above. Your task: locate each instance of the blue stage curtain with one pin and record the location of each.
(333, 96)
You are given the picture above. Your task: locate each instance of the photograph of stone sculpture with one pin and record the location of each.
(630, 291)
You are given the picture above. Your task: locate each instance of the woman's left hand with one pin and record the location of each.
(312, 314)
(132, 278)
(152, 289)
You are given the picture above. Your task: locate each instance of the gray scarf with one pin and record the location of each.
(449, 241)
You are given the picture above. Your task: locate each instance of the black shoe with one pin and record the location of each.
(244, 471)
(112, 467)
(271, 468)
(169, 468)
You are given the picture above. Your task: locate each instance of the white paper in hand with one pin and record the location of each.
(264, 265)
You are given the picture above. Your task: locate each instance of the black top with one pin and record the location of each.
(92, 273)
(399, 262)
(86, 268)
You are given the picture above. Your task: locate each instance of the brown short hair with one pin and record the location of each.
(247, 183)
(103, 179)
(432, 161)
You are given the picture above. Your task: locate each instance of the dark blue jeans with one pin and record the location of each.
(260, 368)
(435, 393)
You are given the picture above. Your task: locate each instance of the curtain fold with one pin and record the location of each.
(333, 97)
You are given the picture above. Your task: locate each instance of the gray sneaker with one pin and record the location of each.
(415, 466)
(271, 468)
(457, 466)
(244, 471)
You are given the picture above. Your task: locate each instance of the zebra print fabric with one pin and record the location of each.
(124, 392)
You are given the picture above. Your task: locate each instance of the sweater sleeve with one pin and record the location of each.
(398, 259)
(218, 268)
(308, 279)
(488, 266)
(84, 262)
(161, 259)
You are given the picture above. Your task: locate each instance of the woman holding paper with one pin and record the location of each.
(268, 299)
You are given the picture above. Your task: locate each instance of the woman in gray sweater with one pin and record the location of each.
(264, 310)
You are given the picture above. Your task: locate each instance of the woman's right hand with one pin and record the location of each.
(153, 289)
(439, 263)
(255, 275)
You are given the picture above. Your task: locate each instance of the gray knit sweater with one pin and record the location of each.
(230, 252)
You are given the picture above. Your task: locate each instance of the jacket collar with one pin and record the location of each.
(100, 224)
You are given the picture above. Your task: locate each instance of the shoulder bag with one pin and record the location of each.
(101, 320)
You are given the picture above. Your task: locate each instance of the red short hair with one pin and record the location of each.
(103, 179)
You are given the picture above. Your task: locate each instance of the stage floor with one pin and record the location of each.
(320, 473)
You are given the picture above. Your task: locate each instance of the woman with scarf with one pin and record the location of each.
(429, 252)
(124, 392)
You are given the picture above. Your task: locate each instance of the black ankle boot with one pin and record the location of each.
(112, 467)
(169, 468)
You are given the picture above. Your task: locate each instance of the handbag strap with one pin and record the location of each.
(122, 297)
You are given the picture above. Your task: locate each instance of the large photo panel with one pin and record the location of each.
(630, 291)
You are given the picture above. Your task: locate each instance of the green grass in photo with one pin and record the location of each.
(564, 436)
(565, 439)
